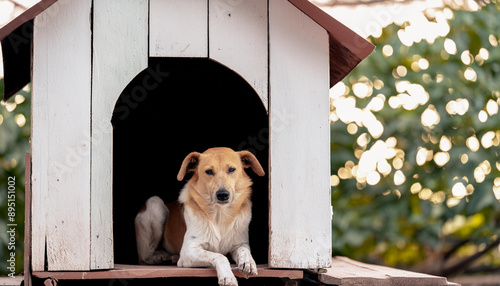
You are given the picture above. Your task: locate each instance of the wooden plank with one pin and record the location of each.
(178, 28)
(27, 220)
(345, 271)
(12, 281)
(39, 143)
(125, 25)
(398, 276)
(122, 271)
(238, 39)
(61, 151)
(300, 210)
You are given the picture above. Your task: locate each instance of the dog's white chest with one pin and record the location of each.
(217, 237)
(222, 240)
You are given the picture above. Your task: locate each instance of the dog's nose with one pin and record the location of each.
(222, 195)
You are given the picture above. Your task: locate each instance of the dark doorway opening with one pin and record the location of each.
(172, 108)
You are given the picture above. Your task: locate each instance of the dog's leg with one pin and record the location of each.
(194, 255)
(149, 225)
(244, 259)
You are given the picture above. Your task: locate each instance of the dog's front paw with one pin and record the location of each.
(245, 261)
(228, 281)
(248, 267)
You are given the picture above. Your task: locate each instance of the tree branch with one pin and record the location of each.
(462, 265)
(455, 247)
(482, 269)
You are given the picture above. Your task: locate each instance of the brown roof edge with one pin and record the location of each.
(349, 39)
(25, 17)
(342, 61)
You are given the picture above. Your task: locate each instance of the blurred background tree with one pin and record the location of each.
(414, 138)
(14, 143)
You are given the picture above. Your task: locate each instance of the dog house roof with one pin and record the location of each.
(347, 49)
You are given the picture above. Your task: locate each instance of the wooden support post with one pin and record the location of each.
(60, 135)
(299, 119)
(27, 220)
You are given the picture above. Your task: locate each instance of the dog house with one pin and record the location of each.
(254, 73)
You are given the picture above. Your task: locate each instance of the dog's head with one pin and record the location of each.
(218, 173)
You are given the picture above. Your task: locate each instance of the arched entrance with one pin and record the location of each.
(172, 108)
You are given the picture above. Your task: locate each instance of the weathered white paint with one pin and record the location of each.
(238, 39)
(120, 46)
(39, 143)
(61, 136)
(300, 218)
(178, 28)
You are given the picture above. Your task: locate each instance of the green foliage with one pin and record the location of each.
(435, 180)
(14, 143)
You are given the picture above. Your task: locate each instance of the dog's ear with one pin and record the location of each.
(188, 165)
(250, 161)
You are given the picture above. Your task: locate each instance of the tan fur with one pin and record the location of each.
(211, 218)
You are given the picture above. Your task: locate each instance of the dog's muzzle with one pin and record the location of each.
(222, 196)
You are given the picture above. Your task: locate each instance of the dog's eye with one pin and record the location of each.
(209, 172)
(231, 170)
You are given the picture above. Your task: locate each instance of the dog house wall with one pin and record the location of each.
(86, 51)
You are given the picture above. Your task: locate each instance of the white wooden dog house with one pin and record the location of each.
(80, 55)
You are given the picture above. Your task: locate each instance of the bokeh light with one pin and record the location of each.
(423, 117)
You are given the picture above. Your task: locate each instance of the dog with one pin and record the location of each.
(210, 219)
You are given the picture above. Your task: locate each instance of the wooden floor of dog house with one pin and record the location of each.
(343, 272)
(123, 271)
